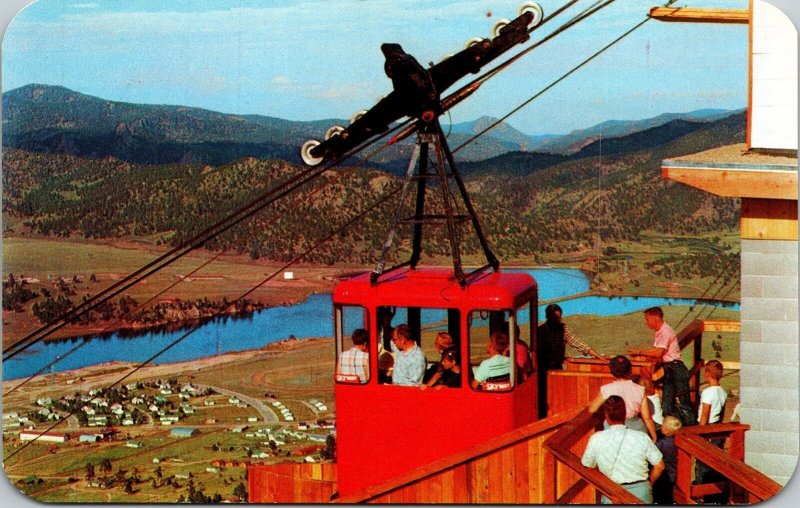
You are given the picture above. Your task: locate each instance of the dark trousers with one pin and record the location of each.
(541, 378)
(675, 399)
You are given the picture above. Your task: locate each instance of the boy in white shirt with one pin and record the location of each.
(712, 400)
(712, 406)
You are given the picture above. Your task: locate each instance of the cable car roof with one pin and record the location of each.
(438, 288)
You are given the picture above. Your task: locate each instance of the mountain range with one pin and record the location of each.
(53, 119)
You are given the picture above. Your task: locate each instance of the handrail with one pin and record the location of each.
(560, 446)
(492, 445)
(690, 332)
(692, 443)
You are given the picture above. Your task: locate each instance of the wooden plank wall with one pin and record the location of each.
(569, 390)
(291, 482)
(512, 468)
(521, 473)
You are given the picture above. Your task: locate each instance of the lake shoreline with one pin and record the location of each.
(135, 330)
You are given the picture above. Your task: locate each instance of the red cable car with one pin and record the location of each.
(383, 429)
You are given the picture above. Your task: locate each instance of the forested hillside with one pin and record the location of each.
(526, 211)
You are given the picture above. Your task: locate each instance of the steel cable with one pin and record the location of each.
(175, 342)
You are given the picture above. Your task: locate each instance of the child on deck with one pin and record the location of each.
(712, 406)
(712, 400)
(662, 489)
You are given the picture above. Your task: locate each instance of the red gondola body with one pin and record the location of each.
(385, 430)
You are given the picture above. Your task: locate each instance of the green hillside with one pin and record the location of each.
(528, 214)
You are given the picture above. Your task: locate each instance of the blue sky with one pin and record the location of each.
(313, 59)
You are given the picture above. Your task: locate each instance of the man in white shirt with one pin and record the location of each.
(409, 360)
(624, 455)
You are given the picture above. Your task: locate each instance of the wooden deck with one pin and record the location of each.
(538, 463)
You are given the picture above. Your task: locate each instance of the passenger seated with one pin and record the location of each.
(442, 342)
(522, 355)
(355, 361)
(385, 328)
(497, 365)
(448, 371)
(409, 360)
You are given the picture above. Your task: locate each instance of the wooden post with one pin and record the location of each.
(550, 472)
(698, 358)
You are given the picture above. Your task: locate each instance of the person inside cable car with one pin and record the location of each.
(498, 366)
(409, 360)
(385, 332)
(522, 356)
(442, 342)
(385, 328)
(354, 363)
(448, 373)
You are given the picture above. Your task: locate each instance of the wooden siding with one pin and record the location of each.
(735, 182)
(510, 469)
(769, 219)
(291, 482)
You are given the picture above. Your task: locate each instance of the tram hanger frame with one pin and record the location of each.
(430, 135)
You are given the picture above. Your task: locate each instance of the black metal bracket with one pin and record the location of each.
(431, 138)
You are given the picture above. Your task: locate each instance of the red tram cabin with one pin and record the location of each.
(384, 430)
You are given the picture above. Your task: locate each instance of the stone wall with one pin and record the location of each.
(769, 356)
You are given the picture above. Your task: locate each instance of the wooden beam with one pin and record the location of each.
(695, 15)
(768, 219)
(732, 365)
(736, 183)
(721, 325)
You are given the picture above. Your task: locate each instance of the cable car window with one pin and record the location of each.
(417, 339)
(491, 357)
(352, 345)
(523, 348)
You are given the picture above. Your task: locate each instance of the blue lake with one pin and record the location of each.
(311, 318)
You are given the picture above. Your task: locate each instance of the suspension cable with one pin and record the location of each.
(715, 296)
(283, 189)
(110, 326)
(175, 342)
(559, 80)
(196, 241)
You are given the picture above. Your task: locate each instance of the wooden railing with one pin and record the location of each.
(742, 483)
(564, 445)
(540, 463)
(512, 468)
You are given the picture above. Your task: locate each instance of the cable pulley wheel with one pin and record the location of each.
(305, 153)
(334, 130)
(357, 115)
(536, 10)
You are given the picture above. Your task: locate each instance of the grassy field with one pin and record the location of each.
(295, 372)
(178, 456)
(231, 277)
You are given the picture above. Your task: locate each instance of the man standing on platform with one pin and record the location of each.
(552, 338)
(624, 455)
(675, 395)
